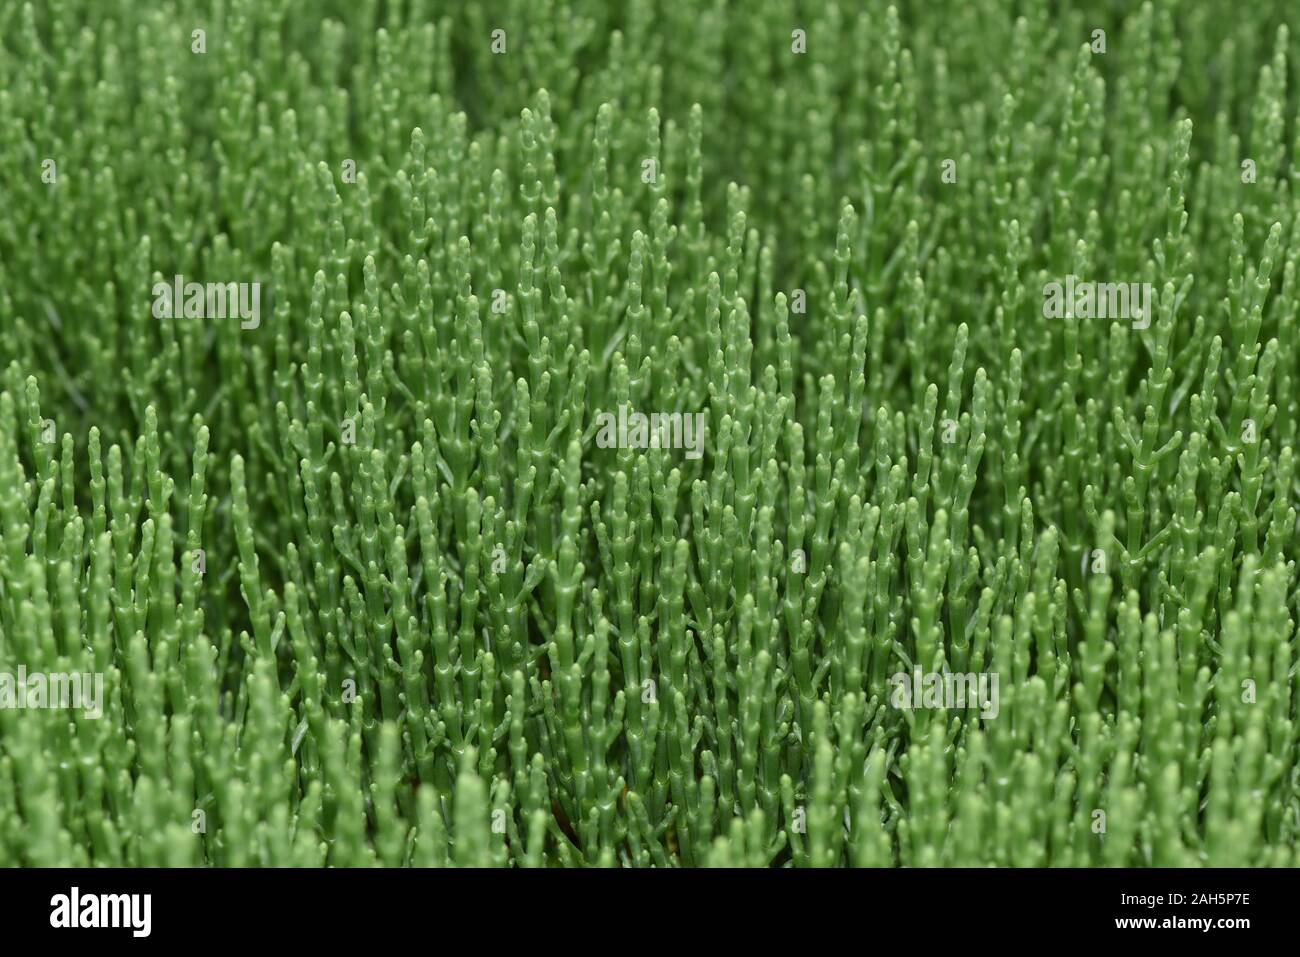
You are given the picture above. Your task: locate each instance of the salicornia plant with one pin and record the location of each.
(563, 433)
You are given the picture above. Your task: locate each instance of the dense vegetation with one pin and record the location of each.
(362, 584)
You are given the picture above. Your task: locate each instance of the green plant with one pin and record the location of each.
(363, 586)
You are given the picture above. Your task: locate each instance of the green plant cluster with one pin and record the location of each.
(362, 585)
